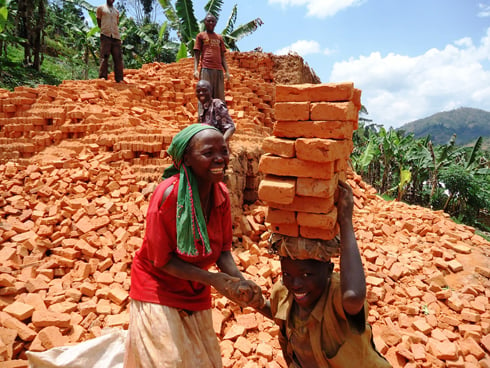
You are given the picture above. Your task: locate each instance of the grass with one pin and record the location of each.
(53, 70)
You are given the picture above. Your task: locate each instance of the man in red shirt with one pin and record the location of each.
(209, 50)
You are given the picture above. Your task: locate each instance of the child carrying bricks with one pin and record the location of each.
(322, 314)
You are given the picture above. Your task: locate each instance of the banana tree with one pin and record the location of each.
(181, 18)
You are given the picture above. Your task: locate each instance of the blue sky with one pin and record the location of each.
(410, 58)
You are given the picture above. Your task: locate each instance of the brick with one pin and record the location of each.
(314, 129)
(307, 204)
(485, 342)
(118, 295)
(278, 216)
(292, 111)
(234, 332)
(322, 150)
(51, 337)
(265, 350)
(470, 315)
(242, 344)
(25, 333)
(279, 146)
(444, 350)
(470, 346)
(293, 167)
(418, 351)
(455, 266)
(309, 187)
(19, 310)
(422, 326)
(484, 271)
(277, 189)
(318, 233)
(249, 321)
(326, 221)
(48, 318)
(332, 111)
(315, 92)
(285, 229)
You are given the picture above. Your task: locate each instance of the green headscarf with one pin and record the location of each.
(191, 225)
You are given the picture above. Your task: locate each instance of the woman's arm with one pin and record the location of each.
(245, 292)
(352, 278)
(221, 281)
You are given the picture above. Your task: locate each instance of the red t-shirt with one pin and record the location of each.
(211, 46)
(149, 283)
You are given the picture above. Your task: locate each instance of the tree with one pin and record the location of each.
(29, 23)
(181, 18)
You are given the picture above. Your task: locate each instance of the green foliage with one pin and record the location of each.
(469, 193)
(182, 19)
(443, 177)
(4, 12)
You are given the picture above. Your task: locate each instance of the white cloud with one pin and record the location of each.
(397, 89)
(319, 8)
(302, 47)
(484, 10)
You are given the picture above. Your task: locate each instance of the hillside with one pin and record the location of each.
(79, 161)
(467, 123)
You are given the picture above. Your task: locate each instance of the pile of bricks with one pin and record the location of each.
(68, 236)
(306, 156)
(73, 201)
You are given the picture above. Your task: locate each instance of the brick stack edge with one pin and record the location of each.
(306, 155)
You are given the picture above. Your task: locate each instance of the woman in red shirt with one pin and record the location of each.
(188, 229)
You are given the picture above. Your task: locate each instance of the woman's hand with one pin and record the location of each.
(249, 294)
(243, 292)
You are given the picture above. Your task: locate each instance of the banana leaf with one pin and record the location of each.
(214, 7)
(230, 24)
(188, 23)
(182, 54)
(474, 152)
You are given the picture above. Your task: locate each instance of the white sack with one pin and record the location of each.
(101, 352)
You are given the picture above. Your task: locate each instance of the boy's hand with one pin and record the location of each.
(345, 202)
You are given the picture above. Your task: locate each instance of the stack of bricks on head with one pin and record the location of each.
(306, 156)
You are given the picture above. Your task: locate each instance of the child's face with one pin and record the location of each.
(306, 279)
(210, 23)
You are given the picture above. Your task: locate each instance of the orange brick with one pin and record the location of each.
(294, 167)
(279, 146)
(292, 111)
(25, 333)
(19, 310)
(285, 229)
(307, 204)
(48, 318)
(325, 221)
(315, 92)
(309, 187)
(332, 111)
(317, 233)
(51, 337)
(118, 295)
(242, 344)
(277, 216)
(322, 150)
(314, 129)
(277, 189)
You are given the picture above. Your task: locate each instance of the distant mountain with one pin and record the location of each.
(467, 123)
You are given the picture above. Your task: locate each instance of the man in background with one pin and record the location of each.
(209, 51)
(110, 40)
